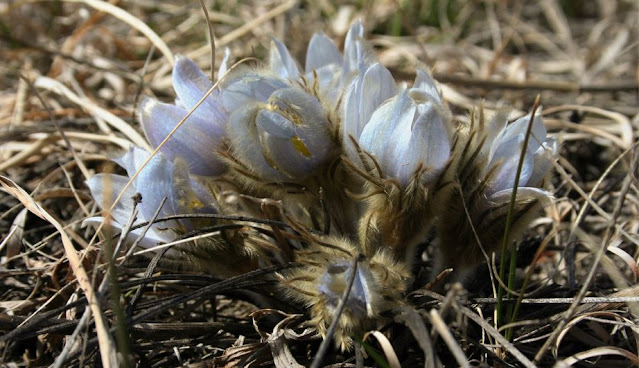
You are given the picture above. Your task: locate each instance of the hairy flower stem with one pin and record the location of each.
(511, 208)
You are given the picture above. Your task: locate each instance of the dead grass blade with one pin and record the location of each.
(414, 321)
(13, 241)
(629, 179)
(621, 133)
(589, 315)
(245, 28)
(95, 110)
(597, 352)
(107, 347)
(134, 22)
(440, 326)
(499, 338)
(387, 348)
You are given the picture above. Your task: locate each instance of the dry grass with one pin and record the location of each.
(71, 77)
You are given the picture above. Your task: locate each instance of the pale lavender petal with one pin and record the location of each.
(133, 159)
(295, 136)
(151, 238)
(425, 82)
(201, 189)
(155, 182)
(282, 63)
(187, 200)
(105, 188)
(197, 140)
(247, 88)
(365, 95)
(543, 161)
(507, 156)
(191, 84)
(276, 135)
(243, 136)
(321, 52)
(275, 125)
(426, 142)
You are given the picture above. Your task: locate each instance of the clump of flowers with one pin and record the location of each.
(340, 149)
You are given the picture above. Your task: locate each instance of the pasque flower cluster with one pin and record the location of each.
(360, 168)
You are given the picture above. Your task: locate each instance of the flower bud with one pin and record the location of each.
(475, 213)
(506, 148)
(407, 134)
(327, 267)
(365, 94)
(285, 138)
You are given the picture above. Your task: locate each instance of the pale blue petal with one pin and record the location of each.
(191, 84)
(321, 52)
(249, 87)
(366, 93)
(543, 161)
(225, 65)
(360, 297)
(519, 126)
(425, 143)
(378, 85)
(328, 79)
(197, 140)
(494, 127)
(105, 188)
(243, 136)
(424, 82)
(375, 137)
(352, 47)
(507, 156)
(155, 182)
(282, 63)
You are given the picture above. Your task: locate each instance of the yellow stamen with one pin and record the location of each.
(300, 146)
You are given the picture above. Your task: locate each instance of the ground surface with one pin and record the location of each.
(582, 59)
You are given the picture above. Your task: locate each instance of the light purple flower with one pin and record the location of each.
(199, 138)
(285, 137)
(365, 94)
(159, 179)
(407, 133)
(505, 151)
(325, 66)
